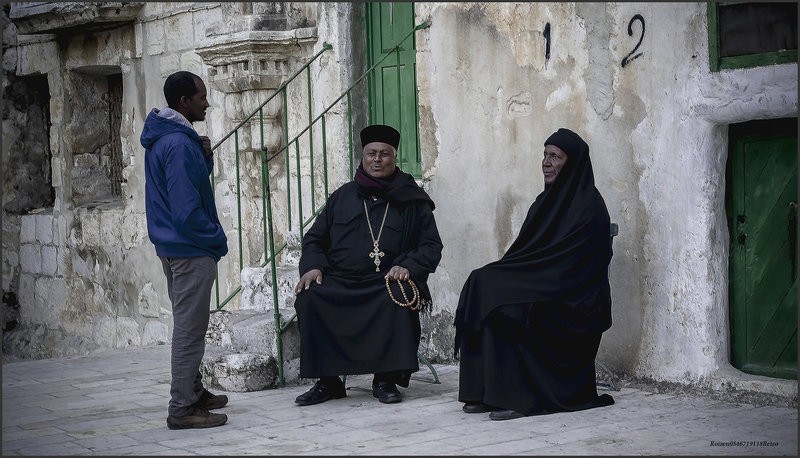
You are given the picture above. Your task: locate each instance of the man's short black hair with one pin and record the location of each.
(177, 85)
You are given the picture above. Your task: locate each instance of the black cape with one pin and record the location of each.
(349, 324)
(528, 325)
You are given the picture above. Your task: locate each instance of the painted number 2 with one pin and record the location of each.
(627, 59)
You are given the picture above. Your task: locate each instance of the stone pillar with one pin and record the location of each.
(247, 67)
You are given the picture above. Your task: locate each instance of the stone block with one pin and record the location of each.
(294, 244)
(111, 227)
(26, 296)
(155, 332)
(104, 330)
(154, 38)
(64, 262)
(127, 333)
(61, 231)
(50, 303)
(134, 230)
(104, 300)
(44, 229)
(255, 334)
(181, 32)
(204, 20)
(137, 34)
(80, 297)
(169, 65)
(257, 288)
(10, 265)
(219, 329)
(30, 258)
(49, 260)
(149, 304)
(38, 58)
(82, 262)
(241, 372)
(27, 232)
(90, 226)
(191, 61)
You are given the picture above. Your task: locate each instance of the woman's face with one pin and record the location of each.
(552, 163)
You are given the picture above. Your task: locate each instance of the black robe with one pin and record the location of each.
(528, 325)
(348, 324)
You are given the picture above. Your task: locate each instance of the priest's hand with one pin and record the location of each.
(313, 275)
(398, 273)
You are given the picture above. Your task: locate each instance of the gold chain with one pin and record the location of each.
(412, 304)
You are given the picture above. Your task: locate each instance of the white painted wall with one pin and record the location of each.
(657, 135)
(488, 99)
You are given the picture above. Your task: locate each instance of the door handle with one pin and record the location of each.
(791, 216)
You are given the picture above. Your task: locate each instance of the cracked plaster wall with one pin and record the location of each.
(657, 134)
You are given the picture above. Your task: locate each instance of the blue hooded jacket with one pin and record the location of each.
(182, 217)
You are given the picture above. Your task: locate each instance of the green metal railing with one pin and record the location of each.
(291, 146)
(266, 203)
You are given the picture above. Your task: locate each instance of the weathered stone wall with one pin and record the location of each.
(489, 94)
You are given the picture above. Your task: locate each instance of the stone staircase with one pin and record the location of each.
(241, 353)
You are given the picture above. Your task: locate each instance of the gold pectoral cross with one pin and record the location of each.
(376, 255)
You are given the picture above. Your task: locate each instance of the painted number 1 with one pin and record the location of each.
(546, 34)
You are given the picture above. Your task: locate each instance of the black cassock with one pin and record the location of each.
(528, 325)
(349, 324)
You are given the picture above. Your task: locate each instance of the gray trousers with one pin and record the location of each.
(189, 282)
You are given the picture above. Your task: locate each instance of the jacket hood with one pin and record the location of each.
(157, 125)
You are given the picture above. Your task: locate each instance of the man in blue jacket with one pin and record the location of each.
(183, 225)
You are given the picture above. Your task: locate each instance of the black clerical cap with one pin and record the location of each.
(570, 142)
(380, 133)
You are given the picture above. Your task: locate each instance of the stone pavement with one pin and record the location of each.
(115, 404)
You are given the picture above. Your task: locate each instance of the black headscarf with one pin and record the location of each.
(561, 254)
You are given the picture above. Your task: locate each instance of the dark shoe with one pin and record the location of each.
(505, 415)
(386, 392)
(211, 401)
(197, 418)
(477, 407)
(322, 392)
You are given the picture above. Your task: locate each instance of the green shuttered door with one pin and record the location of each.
(393, 85)
(763, 221)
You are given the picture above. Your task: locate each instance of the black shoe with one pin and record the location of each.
(197, 418)
(477, 407)
(211, 401)
(505, 415)
(321, 392)
(386, 392)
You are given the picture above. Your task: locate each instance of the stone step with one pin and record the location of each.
(230, 371)
(243, 355)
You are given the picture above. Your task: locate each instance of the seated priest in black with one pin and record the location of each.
(363, 277)
(528, 325)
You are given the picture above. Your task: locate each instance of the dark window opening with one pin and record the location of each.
(750, 34)
(27, 176)
(94, 128)
(754, 28)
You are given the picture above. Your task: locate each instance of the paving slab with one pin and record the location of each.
(115, 403)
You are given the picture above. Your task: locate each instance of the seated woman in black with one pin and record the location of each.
(528, 326)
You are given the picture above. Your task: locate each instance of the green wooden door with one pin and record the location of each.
(763, 265)
(393, 83)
